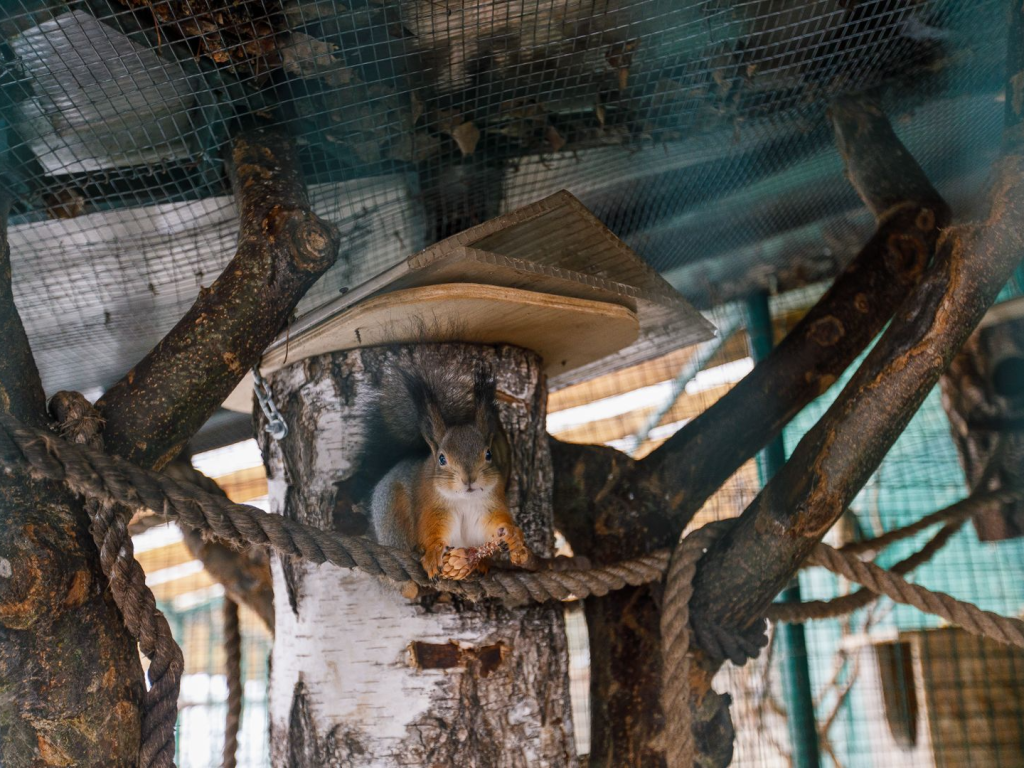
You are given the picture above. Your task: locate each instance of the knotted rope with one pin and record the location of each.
(738, 647)
(96, 475)
(81, 425)
(111, 480)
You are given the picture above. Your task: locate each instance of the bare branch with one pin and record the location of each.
(700, 457)
(741, 574)
(609, 506)
(282, 249)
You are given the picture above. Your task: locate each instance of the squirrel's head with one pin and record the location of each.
(468, 458)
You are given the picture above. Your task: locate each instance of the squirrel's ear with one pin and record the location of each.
(484, 389)
(432, 425)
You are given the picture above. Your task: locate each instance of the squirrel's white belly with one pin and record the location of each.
(470, 511)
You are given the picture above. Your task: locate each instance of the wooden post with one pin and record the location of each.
(364, 676)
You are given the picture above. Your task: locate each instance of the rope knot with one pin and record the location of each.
(77, 419)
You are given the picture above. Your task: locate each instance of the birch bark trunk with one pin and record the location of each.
(360, 674)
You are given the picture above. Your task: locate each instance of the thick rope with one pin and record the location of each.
(813, 610)
(969, 617)
(96, 475)
(676, 625)
(233, 672)
(99, 476)
(80, 424)
(108, 479)
(675, 642)
(105, 478)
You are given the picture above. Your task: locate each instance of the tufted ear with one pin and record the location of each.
(485, 412)
(430, 420)
(432, 425)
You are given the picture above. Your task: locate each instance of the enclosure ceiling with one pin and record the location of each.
(695, 130)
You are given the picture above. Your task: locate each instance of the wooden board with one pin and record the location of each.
(464, 264)
(567, 332)
(554, 246)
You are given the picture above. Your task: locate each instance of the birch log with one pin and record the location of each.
(363, 676)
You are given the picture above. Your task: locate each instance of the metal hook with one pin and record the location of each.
(276, 426)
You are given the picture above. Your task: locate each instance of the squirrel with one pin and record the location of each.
(450, 504)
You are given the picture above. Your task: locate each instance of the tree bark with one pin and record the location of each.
(73, 677)
(983, 395)
(701, 456)
(742, 573)
(283, 248)
(611, 507)
(21, 390)
(70, 679)
(364, 676)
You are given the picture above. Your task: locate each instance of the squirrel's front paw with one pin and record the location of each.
(432, 562)
(512, 538)
(457, 564)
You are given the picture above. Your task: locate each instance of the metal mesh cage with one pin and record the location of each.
(696, 131)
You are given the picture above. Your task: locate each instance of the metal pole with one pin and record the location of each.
(796, 674)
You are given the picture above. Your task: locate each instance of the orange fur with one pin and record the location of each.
(435, 522)
(450, 506)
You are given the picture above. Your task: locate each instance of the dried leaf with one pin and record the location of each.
(623, 77)
(306, 56)
(466, 136)
(599, 112)
(554, 138)
(65, 203)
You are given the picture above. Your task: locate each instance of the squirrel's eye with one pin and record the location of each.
(487, 455)
(441, 459)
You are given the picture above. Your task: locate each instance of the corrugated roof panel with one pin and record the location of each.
(100, 101)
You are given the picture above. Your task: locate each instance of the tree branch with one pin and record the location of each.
(701, 456)
(283, 248)
(609, 506)
(740, 575)
(21, 390)
(70, 679)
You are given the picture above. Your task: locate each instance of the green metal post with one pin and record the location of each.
(796, 674)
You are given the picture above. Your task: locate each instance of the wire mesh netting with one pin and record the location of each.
(891, 686)
(696, 131)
